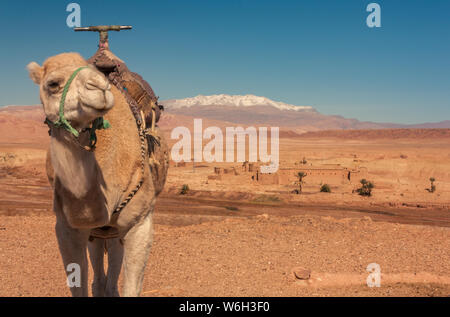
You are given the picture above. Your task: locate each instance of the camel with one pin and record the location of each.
(89, 185)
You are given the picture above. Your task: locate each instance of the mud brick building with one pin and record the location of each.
(332, 174)
(325, 174)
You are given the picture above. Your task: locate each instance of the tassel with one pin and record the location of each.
(106, 124)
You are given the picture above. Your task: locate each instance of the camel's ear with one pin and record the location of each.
(35, 72)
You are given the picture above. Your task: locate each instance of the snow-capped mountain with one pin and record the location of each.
(250, 110)
(229, 100)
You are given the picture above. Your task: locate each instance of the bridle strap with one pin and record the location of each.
(62, 121)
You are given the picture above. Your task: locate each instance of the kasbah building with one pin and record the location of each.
(332, 174)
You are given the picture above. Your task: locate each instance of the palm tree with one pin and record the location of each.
(433, 187)
(300, 176)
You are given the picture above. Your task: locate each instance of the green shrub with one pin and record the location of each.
(325, 188)
(184, 189)
(366, 188)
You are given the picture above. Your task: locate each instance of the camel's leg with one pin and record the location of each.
(72, 245)
(97, 253)
(137, 244)
(115, 257)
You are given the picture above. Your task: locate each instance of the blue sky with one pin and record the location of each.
(312, 52)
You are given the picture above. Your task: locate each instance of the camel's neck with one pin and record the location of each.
(75, 168)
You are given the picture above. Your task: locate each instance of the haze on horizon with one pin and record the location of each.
(313, 53)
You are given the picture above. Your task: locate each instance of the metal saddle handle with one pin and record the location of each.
(103, 30)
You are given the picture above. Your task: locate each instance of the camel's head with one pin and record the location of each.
(88, 97)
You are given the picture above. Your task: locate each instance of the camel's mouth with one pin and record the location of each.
(95, 109)
(95, 106)
(100, 103)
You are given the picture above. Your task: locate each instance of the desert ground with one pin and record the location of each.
(231, 235)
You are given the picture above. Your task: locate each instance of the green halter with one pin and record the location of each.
(62, 122)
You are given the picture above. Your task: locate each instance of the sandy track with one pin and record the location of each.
(215, 205)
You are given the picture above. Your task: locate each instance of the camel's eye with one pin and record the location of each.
(54, 85)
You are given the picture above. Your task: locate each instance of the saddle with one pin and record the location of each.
(138, 93)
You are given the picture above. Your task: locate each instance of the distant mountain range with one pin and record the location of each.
(233, 101)
(221, 111)
(260, 111)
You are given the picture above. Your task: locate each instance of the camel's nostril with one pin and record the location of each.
(92, 85)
